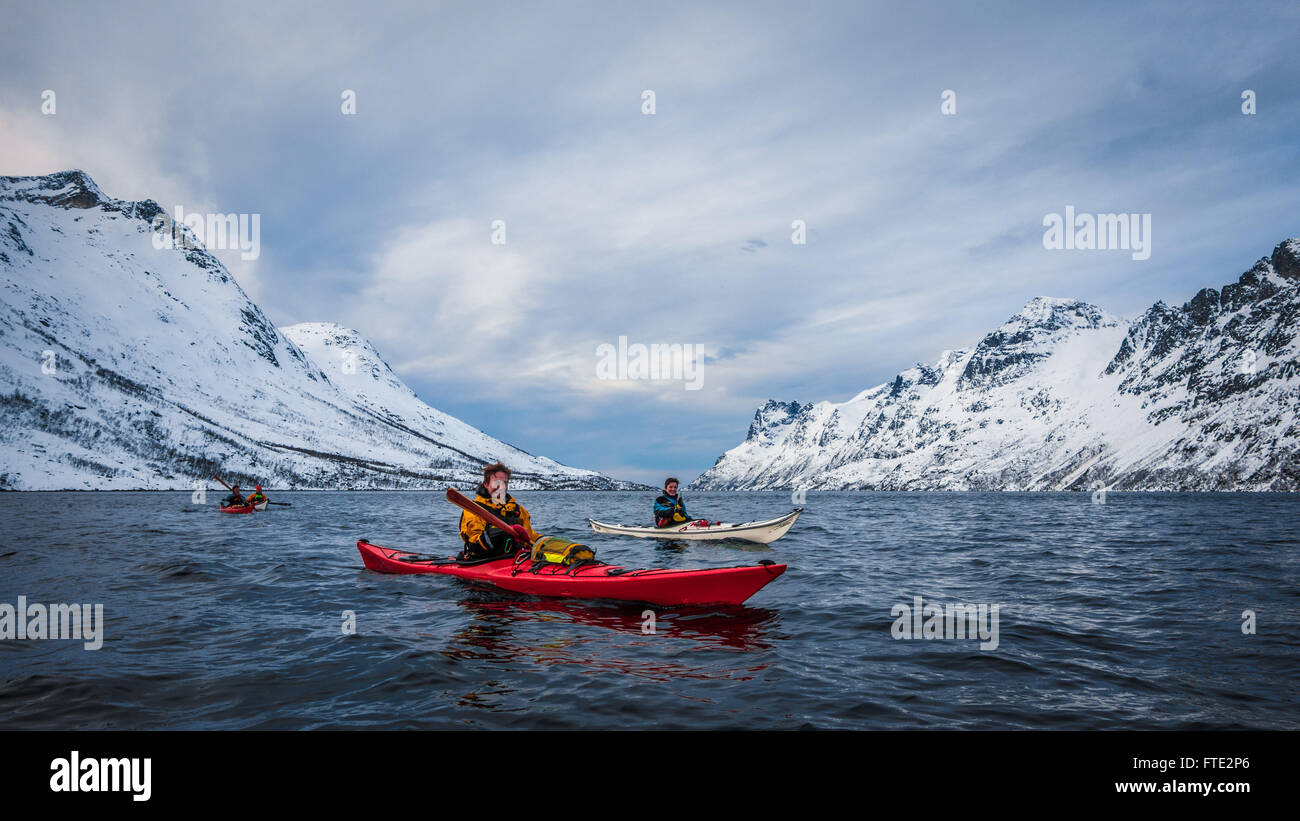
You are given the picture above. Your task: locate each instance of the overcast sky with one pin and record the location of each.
(924, 230)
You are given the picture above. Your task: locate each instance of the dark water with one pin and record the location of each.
(1126, 614)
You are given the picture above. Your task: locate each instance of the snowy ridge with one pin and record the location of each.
(123, 366)
(1065, 396)
(352, 364)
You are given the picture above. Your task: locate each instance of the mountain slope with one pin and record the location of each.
(1066, 396)
(356, 368)
(126, 366)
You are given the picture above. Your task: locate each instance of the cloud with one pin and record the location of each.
(923, 229)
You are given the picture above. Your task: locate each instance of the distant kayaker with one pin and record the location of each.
(235, 499)
(670, 509)
(483, 540)
(257, 496)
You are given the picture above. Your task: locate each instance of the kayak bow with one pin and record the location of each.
(662, 586)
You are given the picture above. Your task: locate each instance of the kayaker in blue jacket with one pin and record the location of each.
(670, 509)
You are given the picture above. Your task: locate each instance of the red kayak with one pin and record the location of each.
(239, 509)
(722, 585)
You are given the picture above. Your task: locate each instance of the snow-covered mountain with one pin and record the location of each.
(126, 366)
(1066, 396)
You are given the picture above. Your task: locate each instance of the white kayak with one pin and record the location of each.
(261, 505)
(761, 532)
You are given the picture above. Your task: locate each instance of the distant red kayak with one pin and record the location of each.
(238, 509)
(662, 586)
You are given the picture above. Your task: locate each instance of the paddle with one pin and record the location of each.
(471, 506)
(280, 504)
(229, 488)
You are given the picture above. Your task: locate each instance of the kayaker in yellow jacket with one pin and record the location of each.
(257, 496)
(483, 540)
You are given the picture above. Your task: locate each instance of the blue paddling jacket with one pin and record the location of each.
(670, 510)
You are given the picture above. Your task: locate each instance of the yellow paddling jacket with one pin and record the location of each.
(513, 513)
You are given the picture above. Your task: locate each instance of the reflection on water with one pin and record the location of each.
(501, 630)
(677, 546)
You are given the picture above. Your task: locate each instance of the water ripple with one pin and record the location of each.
(1127, 614)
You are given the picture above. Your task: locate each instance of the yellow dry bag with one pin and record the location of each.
(554, 550)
